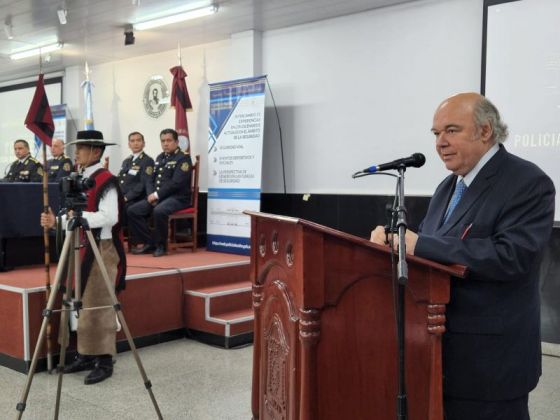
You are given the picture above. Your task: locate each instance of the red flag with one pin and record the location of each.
(39, 118)
(182, 103)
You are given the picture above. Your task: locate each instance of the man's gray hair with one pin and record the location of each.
(486, 112)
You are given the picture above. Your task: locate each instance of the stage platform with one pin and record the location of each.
(206, 295)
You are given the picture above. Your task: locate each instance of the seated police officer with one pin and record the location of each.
(60, 165)
(136, 171)
(169, 191)
(25, 168)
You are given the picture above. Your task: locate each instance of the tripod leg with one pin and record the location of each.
(64, 329)
(20, 407)
(117, 306)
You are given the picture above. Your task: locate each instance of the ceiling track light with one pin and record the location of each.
(36, 51)
(8, 30)
(62, 13)
(178, 17)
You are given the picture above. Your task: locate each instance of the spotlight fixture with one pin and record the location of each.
(128, 35)
(36, 51)
(8, 30)
(178, 17)
(62, 16)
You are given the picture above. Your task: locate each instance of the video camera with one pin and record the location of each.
(73, 191)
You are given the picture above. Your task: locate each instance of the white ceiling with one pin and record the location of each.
(95, 28)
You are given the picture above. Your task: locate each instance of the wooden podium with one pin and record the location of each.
(325, 333)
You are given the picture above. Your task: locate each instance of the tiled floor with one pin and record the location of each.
(190, 381)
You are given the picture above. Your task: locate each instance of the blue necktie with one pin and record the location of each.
(457, 194)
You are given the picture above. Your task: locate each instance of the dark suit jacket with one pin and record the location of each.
(172, 176)
(30, 170)
(491, 347)
(59, 168)
(135, 177)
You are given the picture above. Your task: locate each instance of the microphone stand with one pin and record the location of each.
(402, 271)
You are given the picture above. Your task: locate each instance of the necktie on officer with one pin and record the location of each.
(457, 194)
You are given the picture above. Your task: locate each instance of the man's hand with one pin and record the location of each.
(378, 237)
(410, 239)
(152, 198)
(47, 219)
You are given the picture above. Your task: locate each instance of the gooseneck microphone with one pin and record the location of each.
(416, 160)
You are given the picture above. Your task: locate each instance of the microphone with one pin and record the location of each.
(416, 160)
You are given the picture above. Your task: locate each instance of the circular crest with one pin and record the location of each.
(156, 97)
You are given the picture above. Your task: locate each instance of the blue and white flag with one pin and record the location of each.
(88, 119)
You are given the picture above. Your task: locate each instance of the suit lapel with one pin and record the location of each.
(480, 184)
(438, 205)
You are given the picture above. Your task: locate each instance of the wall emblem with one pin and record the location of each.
(156, 97)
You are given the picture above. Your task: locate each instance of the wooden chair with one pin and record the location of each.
(190, 213)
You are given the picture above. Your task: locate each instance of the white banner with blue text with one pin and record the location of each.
(235, 145)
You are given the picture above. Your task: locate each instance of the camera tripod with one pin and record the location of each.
(76, 224)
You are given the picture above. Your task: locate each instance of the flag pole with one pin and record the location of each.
(47, 255)
(39, 121)
(179, 53)
(46, 243)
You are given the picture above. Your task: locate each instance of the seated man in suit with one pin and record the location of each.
(60, 165)
(493, 214)
(25, 168)
(170, 191)
(135, 176)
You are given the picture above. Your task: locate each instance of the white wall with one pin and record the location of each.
(361, 89)
(118, 92)
(351, 92)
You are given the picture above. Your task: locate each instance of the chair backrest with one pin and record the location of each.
(194, 183)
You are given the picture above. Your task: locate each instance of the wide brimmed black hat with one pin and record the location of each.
(90, 138)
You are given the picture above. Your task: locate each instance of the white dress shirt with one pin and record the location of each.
(107, 214)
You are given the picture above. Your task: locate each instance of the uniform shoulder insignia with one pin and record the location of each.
(185, 166)
(149, 170)
(66, 166)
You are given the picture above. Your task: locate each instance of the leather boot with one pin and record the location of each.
(146, 249)
(103, 370)
(160, 251)
(81, 362)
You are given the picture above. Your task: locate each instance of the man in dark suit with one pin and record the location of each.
(494, 214)
(136, 171)
(170, 191)
(60, 165)
(25, 168)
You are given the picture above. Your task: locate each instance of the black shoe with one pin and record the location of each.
(160, 251)
(103, 370)
(81, 362)
(146, 249)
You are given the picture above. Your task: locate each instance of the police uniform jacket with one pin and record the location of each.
(59, 167)
(29, 170)
(135, 176)
(172, 176)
